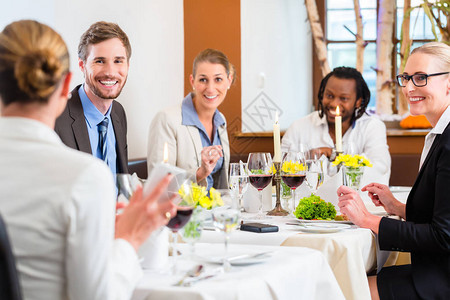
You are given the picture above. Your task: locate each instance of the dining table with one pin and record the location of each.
(352, 252)
(257, 272)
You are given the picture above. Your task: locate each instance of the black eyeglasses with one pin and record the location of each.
(418, 80)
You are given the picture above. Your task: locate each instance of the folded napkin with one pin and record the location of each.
(155, 250)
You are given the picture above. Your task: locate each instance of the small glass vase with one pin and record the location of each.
(352, 176)
(192, 231)
(286, 196)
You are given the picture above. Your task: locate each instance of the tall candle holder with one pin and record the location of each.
(278, 210)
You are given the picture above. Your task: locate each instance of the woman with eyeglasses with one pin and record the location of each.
(424, 230)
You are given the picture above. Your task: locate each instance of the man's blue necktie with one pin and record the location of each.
(102, 129)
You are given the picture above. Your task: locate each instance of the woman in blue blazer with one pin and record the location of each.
(425, 228)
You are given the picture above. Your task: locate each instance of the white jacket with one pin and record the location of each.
(59, 207)
(184, 144)
(368, 137)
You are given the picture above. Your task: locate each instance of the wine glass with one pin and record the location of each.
(260, 174)
(238, 182)
(185, 207)
(314, 174)
(125, 189)
(293, 172)
(226, 219)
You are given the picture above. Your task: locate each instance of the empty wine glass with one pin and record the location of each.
(225, 220)
(238, 182)
(314, 174)
(260, 174)
(293, 172)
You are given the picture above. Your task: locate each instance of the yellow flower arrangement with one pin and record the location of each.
(352, 161)
(290, 167)
(198, 196)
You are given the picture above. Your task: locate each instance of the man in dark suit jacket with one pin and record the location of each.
(103, 56)
(72, 129)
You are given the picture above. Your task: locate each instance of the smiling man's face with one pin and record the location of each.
(105, 69)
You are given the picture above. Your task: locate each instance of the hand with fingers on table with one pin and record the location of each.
(351, 204)
(210, 155)
(143, 215)
(382, 196)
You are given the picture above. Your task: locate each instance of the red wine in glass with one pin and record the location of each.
(182, 217)
(260, 181)
(292, 180)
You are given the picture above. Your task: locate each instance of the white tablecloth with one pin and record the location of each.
(290, 273)
(351, 253)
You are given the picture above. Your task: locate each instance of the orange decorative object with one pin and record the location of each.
(415, 122)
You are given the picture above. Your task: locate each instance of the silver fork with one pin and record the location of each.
(214, 273)
(194, 272)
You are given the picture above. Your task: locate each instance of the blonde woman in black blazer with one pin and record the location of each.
(425, 230)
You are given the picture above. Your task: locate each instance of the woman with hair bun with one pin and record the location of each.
(195, 131)
(58, 203)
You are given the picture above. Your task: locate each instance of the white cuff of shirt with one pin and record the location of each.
(127, 269)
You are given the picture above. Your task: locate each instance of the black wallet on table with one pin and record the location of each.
(258, 227)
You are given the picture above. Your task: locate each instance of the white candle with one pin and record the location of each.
(276, 140)
(166, 153)
(338, 130)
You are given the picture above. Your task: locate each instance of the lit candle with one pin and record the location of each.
(276, 140)
(338, 130)
(166, 153)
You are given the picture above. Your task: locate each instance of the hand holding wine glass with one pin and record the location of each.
(260, 174)
(144, 214)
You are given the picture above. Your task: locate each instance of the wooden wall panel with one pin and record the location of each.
(216, 24)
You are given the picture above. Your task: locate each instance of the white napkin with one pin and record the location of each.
(250, 199)
(329, 187)
(155, 250)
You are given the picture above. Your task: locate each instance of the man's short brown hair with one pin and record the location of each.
(99, 32)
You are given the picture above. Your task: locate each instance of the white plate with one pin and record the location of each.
(322, 221)
(400, 189)
(237, 262)
(320, 227)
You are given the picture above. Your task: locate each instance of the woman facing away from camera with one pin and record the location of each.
(195, 131)
(58, 203)
(425, 231)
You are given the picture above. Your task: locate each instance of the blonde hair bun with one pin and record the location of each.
(37, 73)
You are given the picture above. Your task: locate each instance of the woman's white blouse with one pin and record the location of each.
(59, 207)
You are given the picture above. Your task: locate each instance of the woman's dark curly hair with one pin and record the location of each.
(362, 90)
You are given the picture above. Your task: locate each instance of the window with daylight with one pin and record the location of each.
(340, 31)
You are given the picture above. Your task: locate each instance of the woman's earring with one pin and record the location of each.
(228, 87)
(193, 88)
